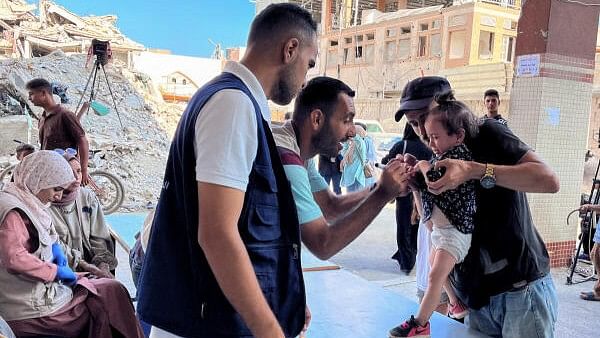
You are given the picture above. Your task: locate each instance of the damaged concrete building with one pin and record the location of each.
(26, 35)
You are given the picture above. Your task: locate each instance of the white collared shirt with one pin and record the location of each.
(226, 140)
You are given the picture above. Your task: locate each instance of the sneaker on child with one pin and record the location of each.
(458, 311)
(410, 328)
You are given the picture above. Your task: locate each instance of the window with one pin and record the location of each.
(332, 57)
(370, 36)
(173, 80)
(390, 32)
(404, 49)
(488, 21)
(457, 45)
(424, 27)
(508, 43)
(435, 24)
(369, 53)
(184, 81)
(390, 50)
(405, 30)
(333, 43)
(358, 52)
(486, 45)
(422, 46)
(348, 56)
(436, 45)
(348, 40)
(510, 24)
(457, 20)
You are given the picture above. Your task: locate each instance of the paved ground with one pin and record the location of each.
(369, 257)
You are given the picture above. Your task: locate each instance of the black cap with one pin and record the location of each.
(419, 93)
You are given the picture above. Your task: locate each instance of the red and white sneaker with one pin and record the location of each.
(458, 310)
(410, 328)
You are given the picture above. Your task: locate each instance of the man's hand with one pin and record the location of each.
(410, 160)
(85, 178)
(394, 178)
(96, 271)
(587, 207)
(457, 172)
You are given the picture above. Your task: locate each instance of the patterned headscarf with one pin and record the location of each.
(43, 169)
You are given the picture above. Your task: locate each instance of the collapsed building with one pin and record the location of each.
(53, 45)
(26, 35)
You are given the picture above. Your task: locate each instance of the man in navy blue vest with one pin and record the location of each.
(223, 256)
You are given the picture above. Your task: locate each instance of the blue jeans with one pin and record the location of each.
(334, 178)
(530, 312)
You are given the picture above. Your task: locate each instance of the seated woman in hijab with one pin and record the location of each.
(39, 293)
(79, 222)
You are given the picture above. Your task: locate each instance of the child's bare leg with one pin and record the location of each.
(443, 263)
(450, 292)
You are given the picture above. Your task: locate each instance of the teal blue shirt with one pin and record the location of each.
(304, 181)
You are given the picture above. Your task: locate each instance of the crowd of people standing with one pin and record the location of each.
(257, 196)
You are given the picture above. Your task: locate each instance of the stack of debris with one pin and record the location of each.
(138, 152)
(25, 35)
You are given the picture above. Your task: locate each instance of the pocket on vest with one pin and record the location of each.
(264, 223)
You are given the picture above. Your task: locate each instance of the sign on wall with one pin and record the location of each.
(528, 65)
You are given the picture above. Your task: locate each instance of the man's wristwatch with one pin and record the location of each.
(488, 180)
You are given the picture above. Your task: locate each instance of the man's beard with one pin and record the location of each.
(282, 93)
(325, 143)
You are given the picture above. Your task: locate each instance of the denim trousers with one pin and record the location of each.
(528, 312)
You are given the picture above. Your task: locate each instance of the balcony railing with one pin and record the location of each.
(503, 3)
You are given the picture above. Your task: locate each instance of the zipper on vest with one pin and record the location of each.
(202, 310)
(295, 247)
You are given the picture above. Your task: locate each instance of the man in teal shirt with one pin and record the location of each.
(323, 117)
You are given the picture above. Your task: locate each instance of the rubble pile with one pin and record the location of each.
(25, 35)
(137, 152)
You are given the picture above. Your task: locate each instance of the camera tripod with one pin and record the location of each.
(588, 221)
(95, 85)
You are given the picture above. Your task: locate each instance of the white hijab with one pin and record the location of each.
(43, 169)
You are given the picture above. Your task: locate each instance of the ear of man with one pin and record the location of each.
(291, 49)
(317, 119)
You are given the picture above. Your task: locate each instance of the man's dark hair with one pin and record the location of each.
(39, 84)
(319, 93)
(281, 21)
(491, 92)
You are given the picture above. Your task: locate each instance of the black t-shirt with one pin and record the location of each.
(414, 147)
(505, 248)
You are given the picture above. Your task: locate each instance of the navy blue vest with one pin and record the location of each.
(178, 291)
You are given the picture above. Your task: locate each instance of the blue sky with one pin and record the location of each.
(182, 26)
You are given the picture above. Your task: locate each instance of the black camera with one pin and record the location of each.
(102, 50)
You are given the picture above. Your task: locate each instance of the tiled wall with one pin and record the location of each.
(560, 253)
(551, 114)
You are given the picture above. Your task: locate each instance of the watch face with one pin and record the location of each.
(488, 182)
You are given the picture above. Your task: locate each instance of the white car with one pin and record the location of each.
(383, 141)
